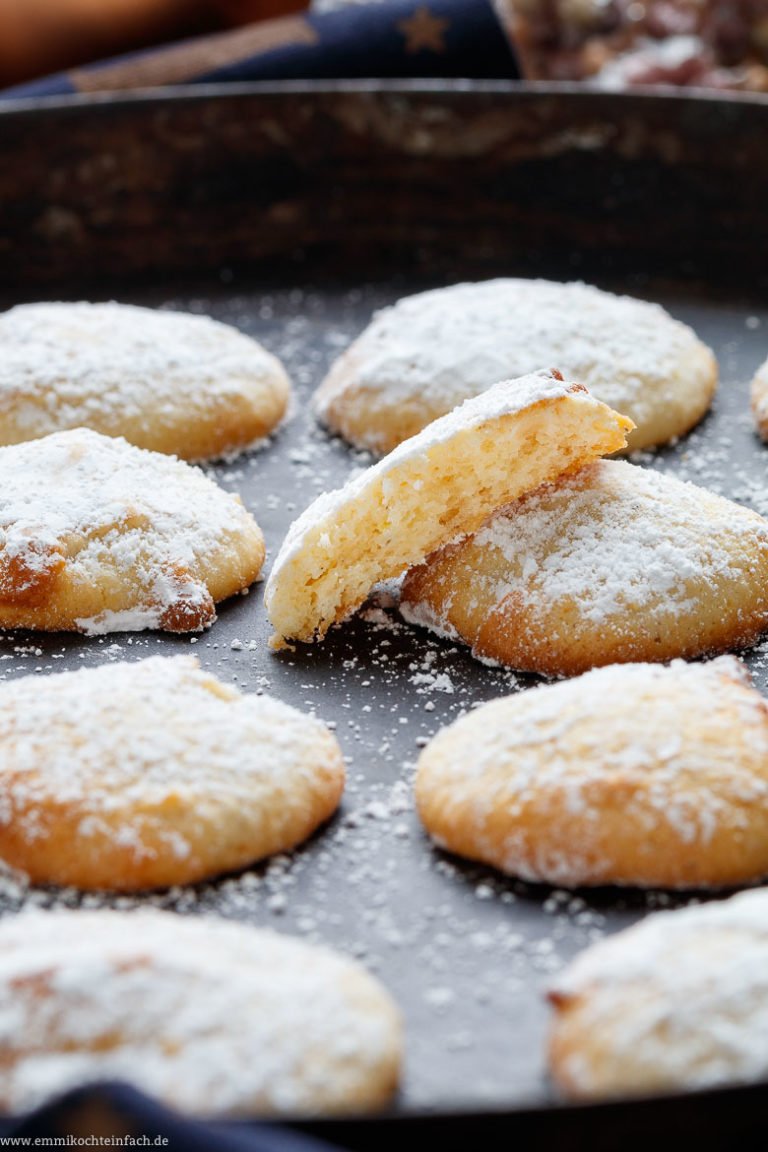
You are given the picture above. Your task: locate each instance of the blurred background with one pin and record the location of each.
(614, 44)
(42, 36)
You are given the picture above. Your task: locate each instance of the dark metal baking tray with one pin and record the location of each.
(292, 211)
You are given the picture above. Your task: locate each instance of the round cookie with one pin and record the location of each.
(611, 564)
(149, 774)
(214, 1018)
(428, 353)
(166, 381)
(431, 489)
(637, 775)
(678, 1002)
(98, 536)
(759, 397)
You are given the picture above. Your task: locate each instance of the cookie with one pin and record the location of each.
(167, 381)
(149, 774)
(611, 564)
(98, 536)
(677, 1002)
(428, 353)
(759, 396)
(637, 774)
(214, 1018)
(442, 483)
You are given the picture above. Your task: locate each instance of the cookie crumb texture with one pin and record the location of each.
(634, 775)
(611, 564)
(427, 353)
(166, 381)
(678, 1002)
(143, 775)
(441, 484)
(214, 1018)
(98, 536)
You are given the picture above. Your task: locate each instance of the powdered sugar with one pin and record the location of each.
(681, 1000)
(372, 886)
(141, 775)
(663, 735)
(213, 1017)
(110, 514)
(611, 539)
(504, 399)
(129, 620)
(122, 742)
(439, 347)
(103, 365)
(378, 524)
(619, 536)
(760, 398)
(627, 957)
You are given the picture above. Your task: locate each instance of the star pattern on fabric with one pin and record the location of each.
(424, 32)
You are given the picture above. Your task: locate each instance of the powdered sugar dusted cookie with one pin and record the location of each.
(637, 774)
(155, 773)
(613, 563)
(438, 485)
(167, 381)
(99, 536)
(428, 353)
(760, 400)
(678, 1002)
(215, 1018)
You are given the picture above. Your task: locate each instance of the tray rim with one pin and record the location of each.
(520, 89)
(515, 92)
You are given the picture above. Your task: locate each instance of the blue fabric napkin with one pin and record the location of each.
(115, 1110)
(423, 38)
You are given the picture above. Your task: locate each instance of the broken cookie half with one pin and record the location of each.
(436, 487)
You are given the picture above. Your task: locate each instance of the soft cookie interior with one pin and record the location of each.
(439, 485)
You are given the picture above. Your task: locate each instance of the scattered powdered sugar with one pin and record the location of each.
(426, 679)
(370, 883)
(114, 514)
(431, 682)
(216, 1018)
